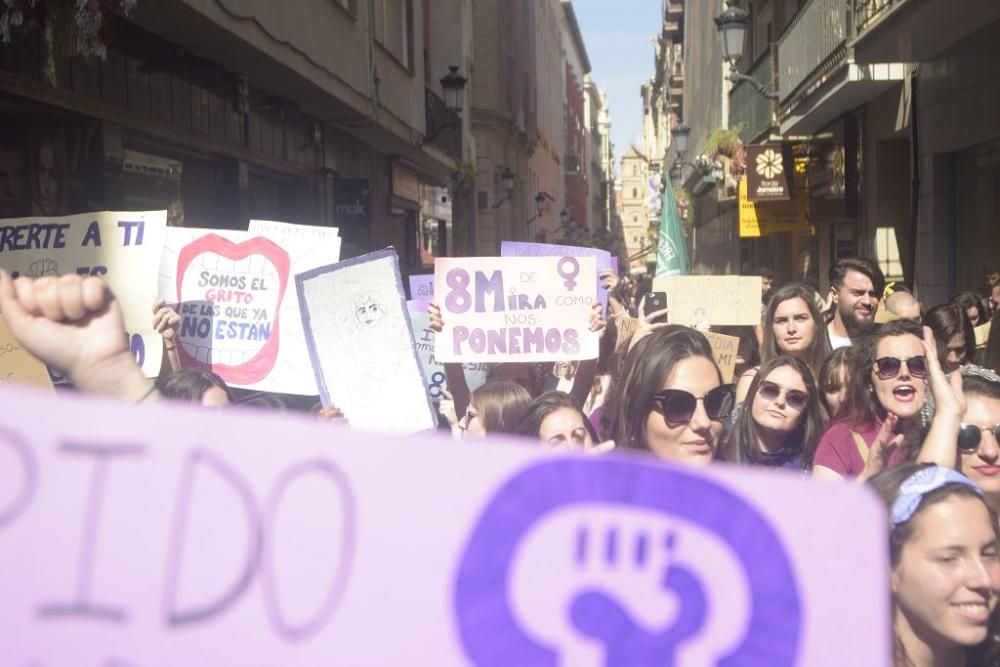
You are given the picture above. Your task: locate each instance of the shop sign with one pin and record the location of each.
(761, 218)
(769, 172)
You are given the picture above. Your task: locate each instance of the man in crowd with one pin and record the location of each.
(903, 306)
(856, 285)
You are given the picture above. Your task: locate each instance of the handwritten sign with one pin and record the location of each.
(725, 348)
(239, 315)
(719, 300)
(602, 257)
(475, 373)
(18, 367)
(515, 308)
(246, 538)
(280, 230)
(361, 344)
(422, 287)
(122, 248)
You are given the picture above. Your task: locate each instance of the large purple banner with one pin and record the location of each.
(246, 538)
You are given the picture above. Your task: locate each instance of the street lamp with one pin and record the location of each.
(733, 25)
(564, 217)
(453, 87)
(507, 181)
(680, 133)
(539, 206)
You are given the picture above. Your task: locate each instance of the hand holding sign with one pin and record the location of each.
(74, 325)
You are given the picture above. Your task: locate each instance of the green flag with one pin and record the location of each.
(671, 251)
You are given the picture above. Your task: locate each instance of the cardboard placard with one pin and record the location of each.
(123, 248)
(248, 538)
(18, 367)
(360, 340)
(714, 300)
(239, 314)
(982, 334)
(603, 258)
(475, 373)
(499, 309)
(725, 348)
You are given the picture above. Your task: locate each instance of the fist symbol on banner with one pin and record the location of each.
(43, 267)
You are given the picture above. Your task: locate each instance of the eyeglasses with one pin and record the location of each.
(970, 435)
(677, 406)
(794, 398)
(888, 367)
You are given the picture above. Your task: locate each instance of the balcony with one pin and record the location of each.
(749, 108)
(818, 78)
(437, 115)
(912, 31)
(674, 10)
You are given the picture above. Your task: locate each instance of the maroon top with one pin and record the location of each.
(838, 451)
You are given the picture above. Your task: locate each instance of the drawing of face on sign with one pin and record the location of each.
(231, 296)
(659, 567)
(368, 312)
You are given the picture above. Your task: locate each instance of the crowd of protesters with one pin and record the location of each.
(831, 386)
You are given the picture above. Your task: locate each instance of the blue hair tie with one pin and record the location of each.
(919, 484)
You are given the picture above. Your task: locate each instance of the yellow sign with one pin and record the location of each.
(714, 300)
(18, 367)
(760, 218)
(725, 348)
(982, 334)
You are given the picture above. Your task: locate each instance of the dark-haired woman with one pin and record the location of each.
(945, 576)
(780, 422)
(834, 377)
(793, 326)
(196, 385)
(554, 419)
(494, 408)
(670, 399)
(973, 306)
(956, 341)
(880, 420)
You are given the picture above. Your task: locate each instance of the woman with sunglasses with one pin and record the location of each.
(945, 575)
(880, 419)
(780, 422)
(794, 327)
(967, 414)
(670, 399)
(494, 408)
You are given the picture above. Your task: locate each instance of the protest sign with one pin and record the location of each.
(982, 334)
(717, 300)
(725, 348)
(123, 248)
(239, 315)
(18, 367)
(422, 287)
(475, 373)
(602, 257)
(499, 309)
(361, 344)
(246, 538)
(280, 230)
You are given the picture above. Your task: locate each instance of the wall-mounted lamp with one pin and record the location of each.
(733, 25)
(453, 87)
(539, 207)
(507, 181)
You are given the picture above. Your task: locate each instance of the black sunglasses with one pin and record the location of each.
(794, 398)
(888, 367)
(677, 406)
(970, 435)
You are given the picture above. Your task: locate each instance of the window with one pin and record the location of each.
(394, 28)
(887, 251)
(635, 193)
(635, 170)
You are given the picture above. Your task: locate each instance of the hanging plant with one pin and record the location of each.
(725, 141)
(69, 27)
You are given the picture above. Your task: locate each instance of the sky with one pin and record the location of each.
(619, 36)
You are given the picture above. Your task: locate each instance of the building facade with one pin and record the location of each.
(633, 209)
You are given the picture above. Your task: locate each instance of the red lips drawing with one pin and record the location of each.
(242, 350)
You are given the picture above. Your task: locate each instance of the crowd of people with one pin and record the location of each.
(832, 386)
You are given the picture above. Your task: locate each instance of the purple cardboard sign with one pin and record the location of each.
(422, 287)
(247, 537)
(603, 257)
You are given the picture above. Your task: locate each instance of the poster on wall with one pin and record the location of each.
(360, 340)
(123, 248)
(239, 315)
(248, 538)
